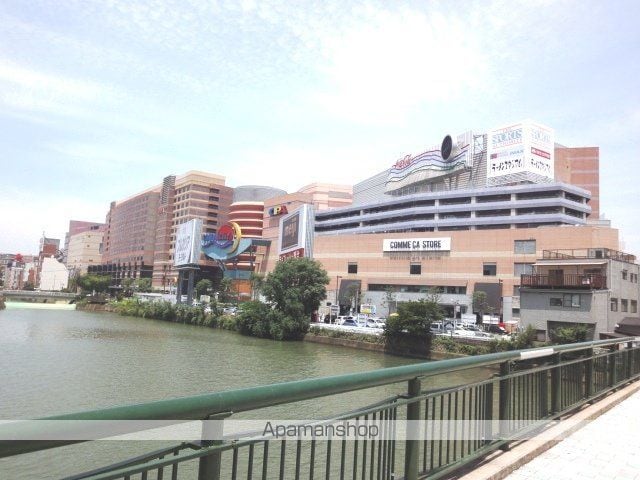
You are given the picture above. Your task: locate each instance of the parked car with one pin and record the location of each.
(628, 326)
(230, 310)
(374, 323)
(350, 322)
(493, 328)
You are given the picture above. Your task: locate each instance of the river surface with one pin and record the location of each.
(56, 361)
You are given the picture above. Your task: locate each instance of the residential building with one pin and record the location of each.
(594, 287)
(84, 248)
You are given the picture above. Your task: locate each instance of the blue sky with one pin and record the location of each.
(101, 99)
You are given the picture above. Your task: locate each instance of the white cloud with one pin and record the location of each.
(26, 214)
(380, 68)
(290, 167)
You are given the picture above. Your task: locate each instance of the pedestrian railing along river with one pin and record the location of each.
(518, 393)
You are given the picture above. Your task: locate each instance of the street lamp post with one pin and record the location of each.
(338, 277)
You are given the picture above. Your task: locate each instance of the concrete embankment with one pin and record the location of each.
(375, 347)
(95, 307)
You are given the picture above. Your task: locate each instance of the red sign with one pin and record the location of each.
(297, 253)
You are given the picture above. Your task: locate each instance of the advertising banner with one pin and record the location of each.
(187, 249)
(417, 244)
(524, 150)
(296, 233)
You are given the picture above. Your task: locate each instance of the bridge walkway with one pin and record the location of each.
(608, 447)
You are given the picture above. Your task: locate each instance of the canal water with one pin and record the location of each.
(56, 361)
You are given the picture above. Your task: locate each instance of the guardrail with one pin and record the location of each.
(573, 281)
(532, 386)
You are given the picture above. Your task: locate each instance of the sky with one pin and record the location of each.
(102, 99)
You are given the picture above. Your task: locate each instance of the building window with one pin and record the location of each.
(624, 305)
(571, 300)
(415, 269)
(524, 246)
(634, 306)
(489, 269)
(614, 304)
(352, 268)
(624, 274)
(522, 269)
(555, 302)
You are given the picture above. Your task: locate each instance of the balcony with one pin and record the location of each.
(569, 281)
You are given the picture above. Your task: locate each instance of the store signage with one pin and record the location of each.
(224, 242)
(278, 210)
(417, 244)
(520, 149)
(298, 253)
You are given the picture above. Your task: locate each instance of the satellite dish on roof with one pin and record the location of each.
(448, 148)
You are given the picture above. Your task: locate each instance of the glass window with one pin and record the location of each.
(634, 306)
(352, 268)
(489, 269)
(524, 246)
(571, 300)
(624, 274)
(614, 304)
(555, 302)
(624, 305)
(522, 269)
(415, 269)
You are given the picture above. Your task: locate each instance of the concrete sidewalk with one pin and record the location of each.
(607, 448)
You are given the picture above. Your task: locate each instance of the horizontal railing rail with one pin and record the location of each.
(532, 385)
(581, 281)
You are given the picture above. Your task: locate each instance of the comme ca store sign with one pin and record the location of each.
(417, 244)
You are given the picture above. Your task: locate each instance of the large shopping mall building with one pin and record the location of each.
(475, 212)
(478, 211)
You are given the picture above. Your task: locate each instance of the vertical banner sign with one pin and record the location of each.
(187, 250)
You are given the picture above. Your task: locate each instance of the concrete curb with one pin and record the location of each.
(500, 465)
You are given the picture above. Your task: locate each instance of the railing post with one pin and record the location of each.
(504, 403)
(412, 447)
(210, 466)
(627, 359)
(611, 358)
(588, 375)
(556, 384)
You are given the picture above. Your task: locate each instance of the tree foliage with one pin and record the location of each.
(94, 283)
(203, 286)
(296, 286)
(414, 318)
(570, 334)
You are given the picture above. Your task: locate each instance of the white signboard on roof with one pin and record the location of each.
(521, 151)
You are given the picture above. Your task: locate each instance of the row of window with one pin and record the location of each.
(630, 306)
(381, 287)
(489, 269)
(632, 277)
(568, 300)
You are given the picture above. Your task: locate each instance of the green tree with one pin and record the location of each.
(296, 286)
(224, 290)
(204, 286)
(257, 282)
(480, 302)
(389, 299)
(353, 294)
(414, 318)
(143, 285)
(94, 283)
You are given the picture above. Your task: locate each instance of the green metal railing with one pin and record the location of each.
(518, 391)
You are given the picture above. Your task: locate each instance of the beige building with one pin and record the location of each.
(185, 197)
(84, 250)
